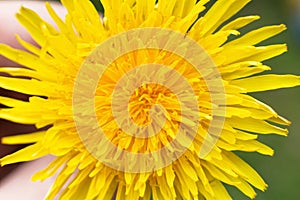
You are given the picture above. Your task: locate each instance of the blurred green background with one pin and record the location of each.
(282, 171)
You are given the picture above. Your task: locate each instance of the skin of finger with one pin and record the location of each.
(17, 185)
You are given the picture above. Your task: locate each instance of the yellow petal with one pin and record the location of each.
(241, 135)
(61, 25)
(267, 82)
(21, 72)
(250, 174)
(26, 59)
(32, 87)
(244, 187)
(29, 46)
(249, 71)
(239, 23)
(57, 186)
(247, 146)
(280, 120)
(51, 169)
(256, 126)
(220, 190)
(219, 174)
(250, 53)
(12, 102)
(221, 11)
(32, 22)
(24, 139)
(258, 35)
(29, 153)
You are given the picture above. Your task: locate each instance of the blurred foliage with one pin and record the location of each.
(97, 5)
(281, 171)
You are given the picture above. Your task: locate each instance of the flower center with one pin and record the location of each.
(148, 95)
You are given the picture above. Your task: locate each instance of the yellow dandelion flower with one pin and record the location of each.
(148, 102)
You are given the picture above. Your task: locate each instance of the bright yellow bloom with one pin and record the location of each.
(60, 98)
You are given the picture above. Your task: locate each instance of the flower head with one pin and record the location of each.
(150, 101)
